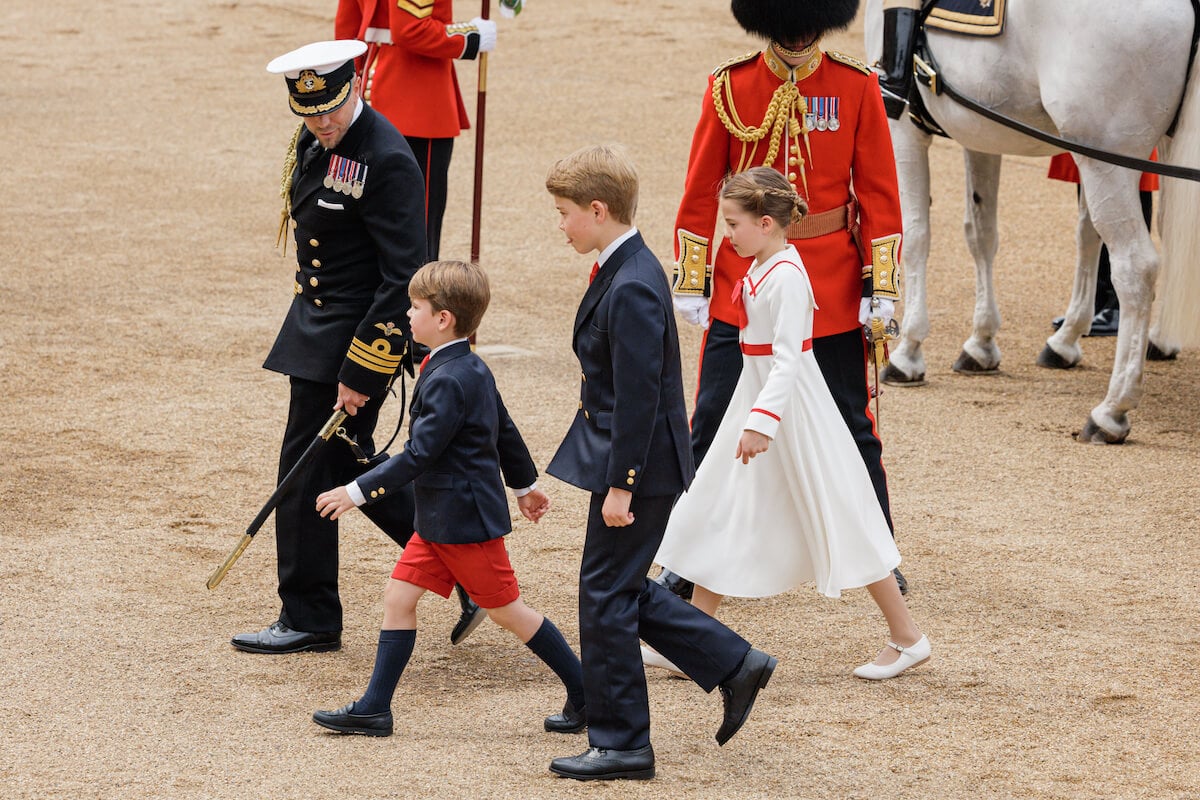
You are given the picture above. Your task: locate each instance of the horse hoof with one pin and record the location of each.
(968, 365)
(1156, 353)
(1094, 434)
(894, 377)
(1052, 360)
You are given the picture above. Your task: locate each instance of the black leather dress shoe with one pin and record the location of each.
(470, 618)
(568, 720)
(279, 638)
(344, 721)
(675, 584)
(1106, 322)
(739, 691)
(605, 765)
(901, 581)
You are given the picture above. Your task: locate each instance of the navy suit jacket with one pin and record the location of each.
(631, 429)
(460, 439)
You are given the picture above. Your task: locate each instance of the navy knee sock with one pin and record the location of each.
(549, 645)
(395, 648)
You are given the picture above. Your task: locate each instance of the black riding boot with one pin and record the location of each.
(896, 65)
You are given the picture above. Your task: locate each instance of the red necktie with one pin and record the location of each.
(595, 269)
(424, 361)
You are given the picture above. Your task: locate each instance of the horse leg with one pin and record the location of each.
(911, 146)
(980, 354)
(1134, 267)
(1062, 350)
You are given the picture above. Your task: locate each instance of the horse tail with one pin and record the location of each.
(1179, 287)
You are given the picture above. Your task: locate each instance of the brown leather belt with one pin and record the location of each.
(813, 225)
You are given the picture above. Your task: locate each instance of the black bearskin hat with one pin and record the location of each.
(793, 21)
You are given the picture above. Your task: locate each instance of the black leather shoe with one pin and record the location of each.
(675, 584)
(606, 765)
(568, 720)
(470, 618)
(901, 581)
(279, 638)
(344, 721)
(1057, 322)
(1106, 322)
(739, 691)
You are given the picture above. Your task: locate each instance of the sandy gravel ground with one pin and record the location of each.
(141, 292)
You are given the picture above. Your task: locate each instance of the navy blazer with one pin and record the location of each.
(631, 430)
(460, 439)
(354, 259)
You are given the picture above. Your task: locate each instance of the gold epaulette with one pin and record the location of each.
(849, 61)
(733, 62)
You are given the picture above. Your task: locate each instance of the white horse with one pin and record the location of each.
(1105, 73)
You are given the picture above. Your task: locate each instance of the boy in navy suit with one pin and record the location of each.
(629, 445)
(460, 440)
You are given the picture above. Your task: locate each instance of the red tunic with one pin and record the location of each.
(412, 80)
(856, 158)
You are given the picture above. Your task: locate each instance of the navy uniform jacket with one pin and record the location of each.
(460, 438)
(631, 430)
(355, 257)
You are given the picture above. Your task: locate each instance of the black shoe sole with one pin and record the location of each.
(631, 774)
(322, 647)
(352, 730)
(464, 629)
(577, 729)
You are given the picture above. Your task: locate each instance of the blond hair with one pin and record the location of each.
(764, 192)
(459, 287)
(600, 172)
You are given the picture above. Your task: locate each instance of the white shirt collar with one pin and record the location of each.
(612, 248)
(447, 344)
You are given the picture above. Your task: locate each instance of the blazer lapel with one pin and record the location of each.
(604, 279)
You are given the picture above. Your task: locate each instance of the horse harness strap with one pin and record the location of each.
(926, 71)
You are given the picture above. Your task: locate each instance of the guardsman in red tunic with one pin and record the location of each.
(410, 79)
(818, 118)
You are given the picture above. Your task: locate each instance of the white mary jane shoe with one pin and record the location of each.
(653, 658)
(910, 656)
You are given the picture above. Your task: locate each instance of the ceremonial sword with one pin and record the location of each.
(330, 427)
(878, 335)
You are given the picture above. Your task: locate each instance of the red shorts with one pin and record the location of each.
(482, 568)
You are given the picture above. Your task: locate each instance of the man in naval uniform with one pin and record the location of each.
(818, 118)
(352, 191)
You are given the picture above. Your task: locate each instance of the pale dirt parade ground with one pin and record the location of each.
(141, 292)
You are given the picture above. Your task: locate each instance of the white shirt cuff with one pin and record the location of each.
(355, 493)
(526, 490)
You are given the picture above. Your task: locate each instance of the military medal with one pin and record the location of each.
(337, 164)
(822, 110)
(810, 118)
(360, 181)
(834, 121)
(328, 182)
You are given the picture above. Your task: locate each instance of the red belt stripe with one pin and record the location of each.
(767, 350)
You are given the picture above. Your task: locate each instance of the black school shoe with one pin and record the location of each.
(277, 639)
(568, 720)
(345, 721)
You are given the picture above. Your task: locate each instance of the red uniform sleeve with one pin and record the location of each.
(415, 28)
(878, 195)
(348, 23)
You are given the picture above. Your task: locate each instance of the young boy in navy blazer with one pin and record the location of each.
(629, 445)
(460, 440)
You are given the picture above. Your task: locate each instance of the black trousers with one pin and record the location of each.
(306, 544)
(618, 605)
(843, 362)
(433, 156)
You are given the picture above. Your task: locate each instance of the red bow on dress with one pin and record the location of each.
(739, 305)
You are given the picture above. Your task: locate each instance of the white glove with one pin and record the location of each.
(886, 311)
(487, 34)
(510, 8)
(694, 310)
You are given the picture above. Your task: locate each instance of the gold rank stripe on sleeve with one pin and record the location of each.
(461, 28)
(849, 61)
(418, 8)
(885, 269)
(376, 356)
(693, 273)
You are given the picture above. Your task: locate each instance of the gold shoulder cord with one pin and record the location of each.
(784, 113)
(285, 187)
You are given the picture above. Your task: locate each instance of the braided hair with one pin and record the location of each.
(764, 192)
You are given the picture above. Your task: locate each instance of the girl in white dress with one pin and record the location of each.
(794, 504)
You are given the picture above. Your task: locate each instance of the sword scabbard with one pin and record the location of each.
(220, 572)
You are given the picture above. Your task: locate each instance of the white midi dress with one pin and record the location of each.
(805, 510)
